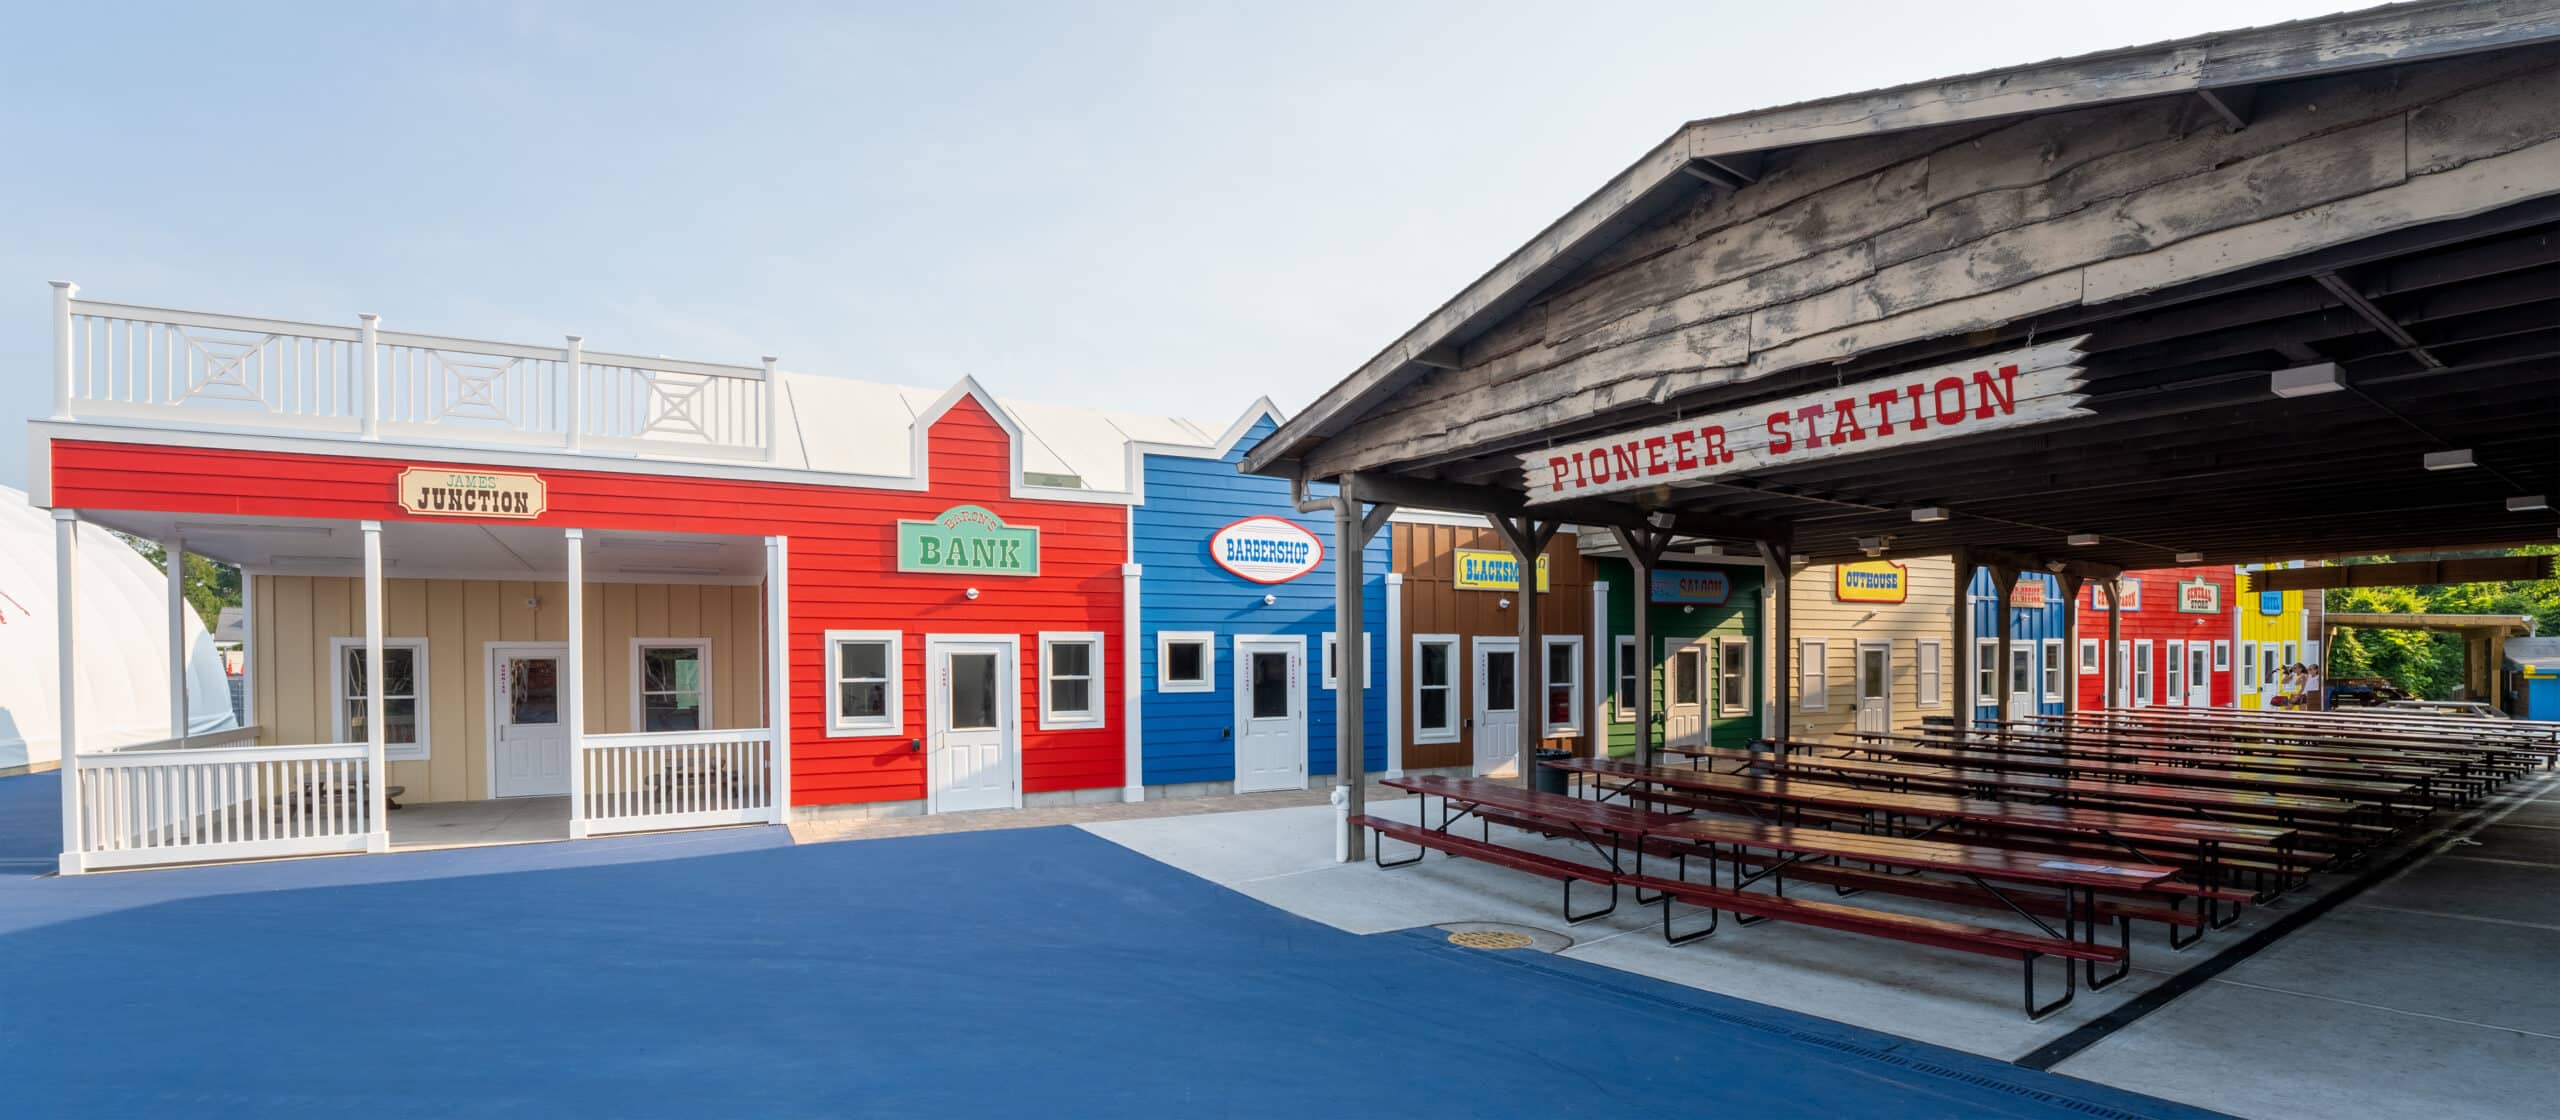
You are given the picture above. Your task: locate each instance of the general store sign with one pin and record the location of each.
(970, 540)
(1705, 589)
(2030, 386)
(436, 492)
(2199, 596)
(2027, 594)
(1266, 549)
(1493, 571)
(1871, 581)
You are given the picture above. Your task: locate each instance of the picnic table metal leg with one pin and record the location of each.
(1714, 916)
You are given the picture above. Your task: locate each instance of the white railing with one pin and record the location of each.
(673, 779)
(144, 807)
(150, 363)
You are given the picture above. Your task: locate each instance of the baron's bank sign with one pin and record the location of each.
(2006, 390)
(1266, 549)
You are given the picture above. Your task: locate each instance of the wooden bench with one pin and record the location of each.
(1544, 866)
(1934, 932)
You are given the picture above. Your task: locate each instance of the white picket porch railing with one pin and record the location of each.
(362, 382)
(186, 805)
(655, 780)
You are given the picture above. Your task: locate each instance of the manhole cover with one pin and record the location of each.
(1491, 939)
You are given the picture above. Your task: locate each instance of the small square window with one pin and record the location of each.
(1368, 663)
(1186, 661)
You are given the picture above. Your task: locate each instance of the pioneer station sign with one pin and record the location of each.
(435, 492)
(2009, 390)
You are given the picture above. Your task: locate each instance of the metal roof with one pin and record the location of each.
(845, 426)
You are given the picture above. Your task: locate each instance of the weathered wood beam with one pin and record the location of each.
(2354, 301)
(2230, 104)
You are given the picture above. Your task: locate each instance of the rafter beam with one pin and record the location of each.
(2382, 321)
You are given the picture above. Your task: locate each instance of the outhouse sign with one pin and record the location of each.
(2006, 390)
(1266, 549)
(1872, 581)
(435, 492)
(969, 540)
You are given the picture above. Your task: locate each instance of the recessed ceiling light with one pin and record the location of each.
(1929, 513)
(2081, 540)
(2306, 381)
(2191, 557)
(2448, 460)
(2528, 503)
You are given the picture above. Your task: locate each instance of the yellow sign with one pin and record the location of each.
(435, 492)
(1871, 581)
(1493, 571)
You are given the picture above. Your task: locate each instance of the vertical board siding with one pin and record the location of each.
(1427, 556)
(843, 573)
(1740, 617)
(2158, 621)
(2030, 626)
(2286, 625)
(1190, 735)
(1925, 613)
(456, 702)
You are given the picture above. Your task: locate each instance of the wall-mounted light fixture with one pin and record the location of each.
(2448, 460)
(2081, 540)
(1929, 513)
(2306, 381)
(1502, 604)
(2528, 503)
(1268, 600)
(973, 594)
(2191, 557)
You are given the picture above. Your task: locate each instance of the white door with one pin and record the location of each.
(2268, 675)
(1497, 730)
(1684, 708)
(529, 752)
(970, 722)
(2022, 680)
(1875, 687)
(1271, 714)
(2200, 675)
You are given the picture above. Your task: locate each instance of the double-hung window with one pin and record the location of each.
(672, 684)
(1563, 683)
(1929, 675)
(1733, 676)
(2142, 672)
(1627, 679)
(2089, 657)
(1813, 675)
(2248, 664)
(1435, 688)
(2177, 691)
(2053, 670)
(1071, 677)
(863, 682)
(1986, 671)
(404, 692)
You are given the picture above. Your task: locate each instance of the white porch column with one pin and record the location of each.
(1395, 674)
(63, 291)
(173, 557)
(1133, 779)
(577, 667)
(378, 777)
(777, 660)
(1602, 674)
(66, 566)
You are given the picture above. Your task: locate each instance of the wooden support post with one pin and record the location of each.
(576, 670)
(1527, 538)
(1352, 531)
(1960, 624)
(1777, 565)
(173, 561)
(2118, 688)
(1643, 547)
(2071, 641)
(777, 672)
(377, 772)
(2003, 584)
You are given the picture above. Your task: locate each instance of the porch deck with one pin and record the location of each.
(471, 824)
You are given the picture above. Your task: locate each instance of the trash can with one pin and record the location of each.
(1550, 779)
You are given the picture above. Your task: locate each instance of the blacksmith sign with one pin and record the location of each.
(2007, 390)
(968, 539)
(434, 492)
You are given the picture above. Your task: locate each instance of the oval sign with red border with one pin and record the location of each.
(1266, 549)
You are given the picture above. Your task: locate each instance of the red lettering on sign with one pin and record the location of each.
(1844, 419)
(1713, 436)
(1625, 455)
(1654, 463)
(1939, 392)
(1998, 396)
(1599, 465)
(1780, 440)
(1882, 402)
(1684, 451)
(1919, 415)
(1809, 414)
(1556, 465)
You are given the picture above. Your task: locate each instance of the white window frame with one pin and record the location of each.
(1368, 665)
(2088, 665)
(1572, 726)
(2049, 673)
(391, 752)
(1166, 640)
(2142, 670)
(1929, 669)
(1096, 672)
(1813, 674)
(1726, 649)
(2222, 656)
(2174, 673)
(1626, 674)
(2249, 665)
(1424, 733)
(892, 720)
(639, 676)
(2310, 652)
(1990, 672)
(2290, 654)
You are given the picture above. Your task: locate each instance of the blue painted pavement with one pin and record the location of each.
(1038, 972)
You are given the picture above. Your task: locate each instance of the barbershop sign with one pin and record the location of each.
(433, 492)
(2009, 390)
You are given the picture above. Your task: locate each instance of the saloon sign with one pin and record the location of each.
(968, 539)
(1704, 589)
(2020, 387)
(433, 492)
(1266, 549)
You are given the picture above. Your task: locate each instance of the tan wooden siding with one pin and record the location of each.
(1847, 248)
(1433, 604)
(300, 616)
(1818, 613)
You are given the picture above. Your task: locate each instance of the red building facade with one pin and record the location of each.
(2178, 638)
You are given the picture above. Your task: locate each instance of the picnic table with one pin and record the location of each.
(2380, 792)
(2455, 783)
(2339, 818)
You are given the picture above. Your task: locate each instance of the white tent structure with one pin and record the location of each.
(124, 669)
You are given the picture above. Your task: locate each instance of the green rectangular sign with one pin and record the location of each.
(968, 540)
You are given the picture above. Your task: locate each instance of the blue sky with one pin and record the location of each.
(1162, 207)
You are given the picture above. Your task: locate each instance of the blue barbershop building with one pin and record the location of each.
(2036, 673)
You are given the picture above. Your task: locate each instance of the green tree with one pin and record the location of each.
(210, 584)
(2430, 665)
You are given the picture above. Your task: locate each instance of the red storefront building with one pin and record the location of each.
(2176, 644)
